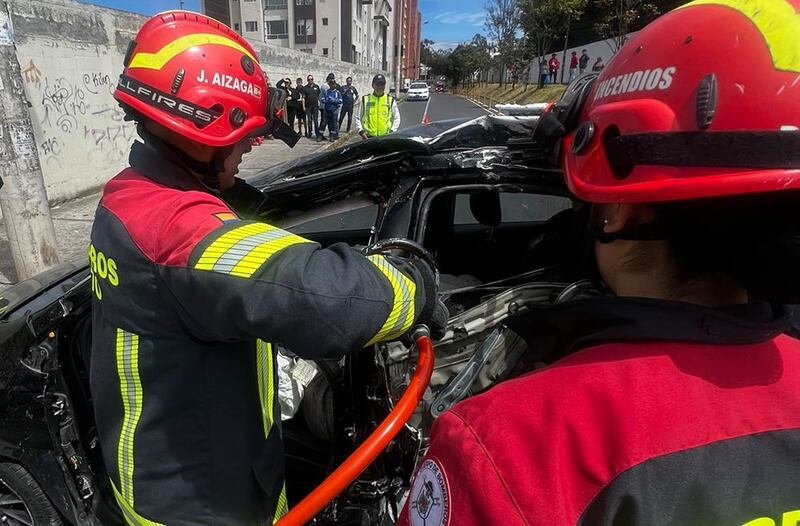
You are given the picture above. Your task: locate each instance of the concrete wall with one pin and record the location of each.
(71, 56)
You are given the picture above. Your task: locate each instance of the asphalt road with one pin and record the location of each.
(441, 107)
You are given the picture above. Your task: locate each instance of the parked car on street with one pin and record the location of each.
(419, 91)
(482, 196)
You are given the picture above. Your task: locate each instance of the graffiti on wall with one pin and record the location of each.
(78, 109)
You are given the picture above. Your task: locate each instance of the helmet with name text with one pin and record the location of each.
(702, 103)
(196, 77)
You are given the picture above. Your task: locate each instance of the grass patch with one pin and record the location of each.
(516, 95)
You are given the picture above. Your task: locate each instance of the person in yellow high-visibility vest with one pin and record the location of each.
(379, 114)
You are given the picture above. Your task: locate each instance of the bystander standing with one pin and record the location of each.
(583, 62)
(573, 66)
(598, 65)
(554, 66)
(349, 98)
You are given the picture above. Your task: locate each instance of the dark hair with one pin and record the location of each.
(755, 239)
(300, 79)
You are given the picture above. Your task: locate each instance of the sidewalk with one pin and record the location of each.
(73, 219)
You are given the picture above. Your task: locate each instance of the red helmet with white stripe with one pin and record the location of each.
(196, 77)
(704, 102)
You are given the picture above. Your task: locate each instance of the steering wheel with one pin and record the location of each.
(380, 439)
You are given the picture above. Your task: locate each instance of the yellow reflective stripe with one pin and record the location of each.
(127, 351)
(131, 517)
(402, 314)
(158, 59)
(777, 21)
(243, 250)
(225, 242)
(266, 387)
(283, 505)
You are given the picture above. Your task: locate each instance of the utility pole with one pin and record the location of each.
(23, 199)
(398, 78)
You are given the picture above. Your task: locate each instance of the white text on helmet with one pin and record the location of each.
(164, 101)
(227, 81)
(647, 80)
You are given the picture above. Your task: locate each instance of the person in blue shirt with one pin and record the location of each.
(332, 100)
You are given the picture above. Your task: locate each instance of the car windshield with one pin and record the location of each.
(419, 85)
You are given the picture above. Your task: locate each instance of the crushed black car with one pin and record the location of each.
(485, 197)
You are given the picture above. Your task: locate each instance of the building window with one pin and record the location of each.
(250, 26)
(236, 26)
(325, 51)
(309, 2)
(276, 4)
(324, 21)
(277, 29)
(305, 27)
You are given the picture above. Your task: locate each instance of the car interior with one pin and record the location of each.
(486, 236)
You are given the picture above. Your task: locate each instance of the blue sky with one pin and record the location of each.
(146, 7)
(452, 21)
(449, 21)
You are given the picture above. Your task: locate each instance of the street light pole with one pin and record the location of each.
(398, 80)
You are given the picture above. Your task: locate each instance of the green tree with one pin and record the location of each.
(503, 24)
(619, 16)
(544, 21)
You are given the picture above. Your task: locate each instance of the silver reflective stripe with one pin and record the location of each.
(235, 254)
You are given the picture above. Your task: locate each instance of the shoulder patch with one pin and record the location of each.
(429, 500)
(226, 217)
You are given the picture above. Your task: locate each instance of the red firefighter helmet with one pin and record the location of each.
(196, 77)
(704, 102)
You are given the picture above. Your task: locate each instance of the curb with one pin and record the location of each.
(341, 141)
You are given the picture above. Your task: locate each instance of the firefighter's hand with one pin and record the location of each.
(364, 134)
(434, 314)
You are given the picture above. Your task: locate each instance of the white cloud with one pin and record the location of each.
(454, 17)
(444, 46)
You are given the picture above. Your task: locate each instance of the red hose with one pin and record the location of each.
(367, 452)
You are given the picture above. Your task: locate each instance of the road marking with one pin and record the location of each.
(425, 114)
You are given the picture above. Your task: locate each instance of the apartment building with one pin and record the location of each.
(355, 31)
(410, 28)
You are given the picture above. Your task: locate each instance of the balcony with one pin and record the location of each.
(270, 5)
(382, 20)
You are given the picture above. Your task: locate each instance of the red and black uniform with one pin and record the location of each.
(188, 297)
(662, 413)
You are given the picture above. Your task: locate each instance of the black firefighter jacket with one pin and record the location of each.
(187, 298)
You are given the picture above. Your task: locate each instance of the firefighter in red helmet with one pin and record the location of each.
(189, 296)
(674, 400)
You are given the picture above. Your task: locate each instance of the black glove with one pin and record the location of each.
(434, 314)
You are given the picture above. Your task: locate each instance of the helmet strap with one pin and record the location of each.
(208, 171)
(652, 231)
